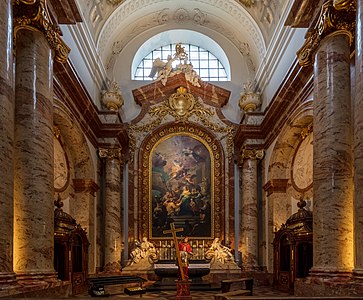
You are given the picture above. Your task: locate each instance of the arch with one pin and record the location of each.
(217, 154)
(182, 36)
(74, 140)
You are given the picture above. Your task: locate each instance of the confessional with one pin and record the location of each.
(70, 250)
(293, 249)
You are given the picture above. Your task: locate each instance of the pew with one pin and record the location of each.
(97, 284)
(245, 287)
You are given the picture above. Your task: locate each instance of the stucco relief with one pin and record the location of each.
(302, 165)
(124, 12)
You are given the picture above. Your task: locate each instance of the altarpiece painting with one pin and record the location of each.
(181, 186)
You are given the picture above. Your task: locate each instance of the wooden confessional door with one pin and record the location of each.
(286, 265)
(79, 263)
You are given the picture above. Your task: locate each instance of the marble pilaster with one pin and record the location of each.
(7, 276)
(278, 212)
(84, 213)
(112, 217)
(33, 227)
(358, 145)
(248, 244)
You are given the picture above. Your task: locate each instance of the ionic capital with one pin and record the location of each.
(336, 17)
(253, 154)
(34, 15)
(110, 153)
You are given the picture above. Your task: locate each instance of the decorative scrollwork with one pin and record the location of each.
(331, 20)
(181, 105)
(33, 14)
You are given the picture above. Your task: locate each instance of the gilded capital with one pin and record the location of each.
(34, 15)
(110, 153)
(335, 17)
(344, 4)
(254, 154)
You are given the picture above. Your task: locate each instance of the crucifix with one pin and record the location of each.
(173, 231)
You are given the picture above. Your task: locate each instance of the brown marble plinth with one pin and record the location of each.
(183, 290)
(329, 285)
(56, 289)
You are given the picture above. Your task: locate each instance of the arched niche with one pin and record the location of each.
(79, 197)
(281, 194)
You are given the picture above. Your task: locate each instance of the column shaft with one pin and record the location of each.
(358, 144)
(113, 216)
(249, 221)
(7, 276)
(34, 209)
(333, 173)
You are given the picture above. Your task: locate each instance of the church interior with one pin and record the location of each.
(140, 136)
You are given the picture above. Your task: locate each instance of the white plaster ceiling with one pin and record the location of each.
(244, 29)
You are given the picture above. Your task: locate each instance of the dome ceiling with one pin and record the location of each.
(247, 24)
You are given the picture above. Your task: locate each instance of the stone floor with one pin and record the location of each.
(259, 292)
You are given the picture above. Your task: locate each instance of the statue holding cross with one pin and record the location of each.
(182, 250)
(183, 290)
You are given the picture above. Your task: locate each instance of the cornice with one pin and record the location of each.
(275, 186)
(85, 185)
(295, 88)
(68, 88)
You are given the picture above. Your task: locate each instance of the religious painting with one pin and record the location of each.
(181, 187)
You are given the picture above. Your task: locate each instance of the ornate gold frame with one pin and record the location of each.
(217, 163)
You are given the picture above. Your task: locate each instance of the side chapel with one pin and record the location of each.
(240, 122)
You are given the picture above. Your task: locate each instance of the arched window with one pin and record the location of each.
(208, 66)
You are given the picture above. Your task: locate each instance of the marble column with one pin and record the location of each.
(7, 276)
(34, 229)
(84, 213)
(112, 215)
(248, 244)
(358, 145)
(33, 154)
(333, 170)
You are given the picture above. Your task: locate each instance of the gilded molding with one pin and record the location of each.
(110, 153)
(34, 15)
(218, 170)
(181, 105)
(330, 21)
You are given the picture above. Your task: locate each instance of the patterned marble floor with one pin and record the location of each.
(258, 293)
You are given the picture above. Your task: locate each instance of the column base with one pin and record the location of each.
(35, 285)
(358, 274)
(328, 283)
(7, 279)
(112, 268)
(36, 277)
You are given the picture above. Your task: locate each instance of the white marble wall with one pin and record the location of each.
(358, 144)
(33, 213)
(7, 276)
(333, 171)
